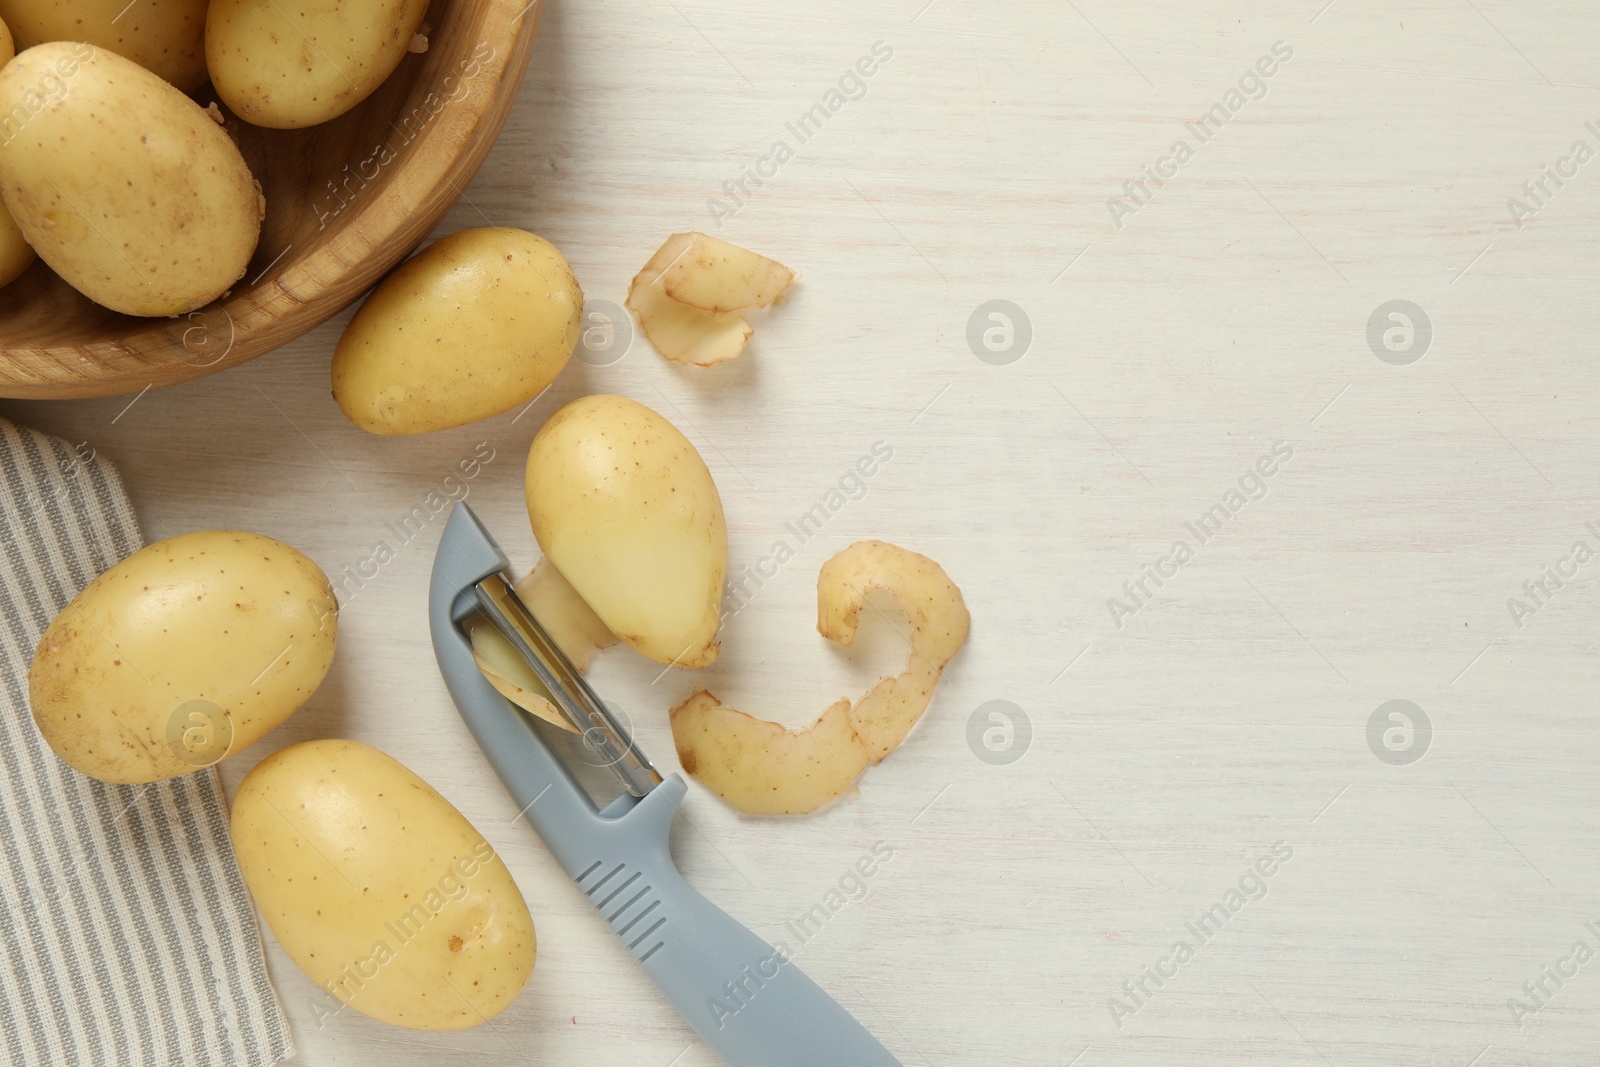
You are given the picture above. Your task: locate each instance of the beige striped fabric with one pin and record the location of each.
(127, 936)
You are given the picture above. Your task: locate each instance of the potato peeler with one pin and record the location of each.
(748, 1001)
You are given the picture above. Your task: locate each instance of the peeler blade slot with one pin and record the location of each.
(582, 707)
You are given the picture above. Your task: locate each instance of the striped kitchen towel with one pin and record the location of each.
(127, 936)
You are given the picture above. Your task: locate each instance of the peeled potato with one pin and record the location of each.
(624, 507)
(763, 769)
(565, 615)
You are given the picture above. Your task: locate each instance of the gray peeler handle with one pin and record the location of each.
(752, 1005)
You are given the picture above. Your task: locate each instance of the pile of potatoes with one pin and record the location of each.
(123, 183)
(195, 647)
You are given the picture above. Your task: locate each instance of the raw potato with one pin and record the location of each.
(478, 323)
(571, 623)
(624, 507)
(716, 277)
(564, 614)
(177, 224)
(186, 651)
(379, 890)
(290, 65)
(16, 255)
(166, 37)
(763, 769)
(688, 297)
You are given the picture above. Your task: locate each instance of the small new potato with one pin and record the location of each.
(122, 184)
(290, 65)
(380, 890)
(166, 37)
(16, 255)
(476, 324)
(188, 650)
(624, 507)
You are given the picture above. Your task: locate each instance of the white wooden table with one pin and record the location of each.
(1230, 711)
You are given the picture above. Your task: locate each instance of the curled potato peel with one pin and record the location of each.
(690, 294)
(717, 277)
(760, 767)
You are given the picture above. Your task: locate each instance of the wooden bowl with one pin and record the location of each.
(346, 201)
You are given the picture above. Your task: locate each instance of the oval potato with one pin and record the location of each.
(189, 649)
(166, 37)
(378, 889)
(287, 66)
(476, 324)
(122, 184)
(16, 255)
(624, 507)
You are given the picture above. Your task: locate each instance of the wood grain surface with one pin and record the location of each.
(1422, 477)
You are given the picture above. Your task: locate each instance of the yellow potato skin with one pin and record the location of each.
(380, 890)
(16, 255)
(763, 769)
(289, 65)
(122, 184)
(233, 618)
(166, 37)
(476, 324)
(624, 507)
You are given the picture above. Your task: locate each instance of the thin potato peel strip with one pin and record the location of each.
(760, 767)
